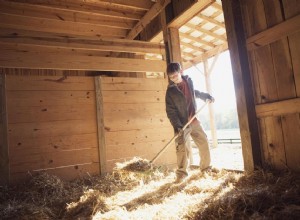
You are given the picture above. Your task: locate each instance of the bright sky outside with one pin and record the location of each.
(221, 82)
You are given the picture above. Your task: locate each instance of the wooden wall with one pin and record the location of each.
(135, 121)
(51, 126)
(272, 32)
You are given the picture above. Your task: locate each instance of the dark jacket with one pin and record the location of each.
(176, 105)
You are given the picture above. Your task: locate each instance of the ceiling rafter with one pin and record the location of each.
(90, 9)
(153, 12)
(211, 20)
(198, 28)
(197, 40)
(191, 46)
(133, 4)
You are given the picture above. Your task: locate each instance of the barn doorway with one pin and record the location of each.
(226, 150)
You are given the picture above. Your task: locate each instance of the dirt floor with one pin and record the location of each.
(136, 190)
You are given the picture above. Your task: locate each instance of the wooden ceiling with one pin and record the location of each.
(203, 36)
(88, 29)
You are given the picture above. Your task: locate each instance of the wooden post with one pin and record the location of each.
(100, 125)
(243, 84)
(4, 151)
(174, 45)
(207, 72)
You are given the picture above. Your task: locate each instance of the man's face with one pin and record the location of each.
(175, 77)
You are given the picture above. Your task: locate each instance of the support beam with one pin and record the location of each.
(57, 26)
(207, 32)
(102, 44)
(198, 40)
(100, 126)
(211, 105)
(211, 20)
(153, 12)
(71, 6)
(275, 33)
(243, 85)
(189, 13)
(32, 58)
(174, 45)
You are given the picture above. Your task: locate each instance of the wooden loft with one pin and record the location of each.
(78, 35)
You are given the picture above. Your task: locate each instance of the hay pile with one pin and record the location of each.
(141, 192)
(259, 195)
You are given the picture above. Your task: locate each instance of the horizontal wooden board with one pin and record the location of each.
(65, 173)
(278, 108)
(45, 83)
(135, 149)
(115, 123)
(143, 135)
(136, 84)
(58, 26)
(51, 129)
(90, 45)
(275, 33)
(134, 114)
(22, 162)
(42, 145)
(33, 10)
(51, 113)
(12, 57)
(149, 109)
(48, 98)
(133, 96)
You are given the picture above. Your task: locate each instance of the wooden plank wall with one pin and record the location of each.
(51, 126)
(135, 121)
(275, 66)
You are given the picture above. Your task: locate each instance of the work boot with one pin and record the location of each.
(180, 177)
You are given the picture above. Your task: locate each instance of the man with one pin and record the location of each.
(180, 108)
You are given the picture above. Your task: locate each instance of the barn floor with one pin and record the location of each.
(153, 194)
(225, 156)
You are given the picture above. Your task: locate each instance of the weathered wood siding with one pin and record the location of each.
(274, 57)
(51, 126)
(135, 121)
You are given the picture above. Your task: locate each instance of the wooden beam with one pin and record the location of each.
(211, 111)
(195, 48)
(200, 29)
(153, 12)
(23, 9)
(28, 57)
(275, 33)
(243, 85)
(132, 4)
(174, 45)
(211, 20)
(207, 55)
(196, 39)
(100, 125)
(91, 9)
(217, 6)
(62, 27)
(216, 50)
(115, 45)
(4, 151)
(284, 107)
(190, 12)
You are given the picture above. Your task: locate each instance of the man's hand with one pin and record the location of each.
(209, 98)
(179, 132)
